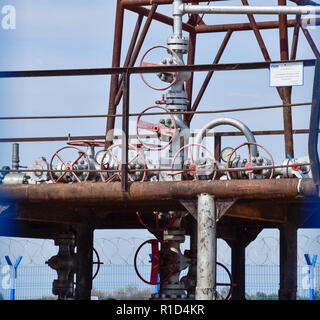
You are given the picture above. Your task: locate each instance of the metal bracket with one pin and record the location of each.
(222, 205)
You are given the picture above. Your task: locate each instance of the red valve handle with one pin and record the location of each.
(156, 128)
(155, 262)
(150, 64)
(231, 284)
(69, 167)
(158, 228)
(118, 163)
(249, 165)
(193, 166)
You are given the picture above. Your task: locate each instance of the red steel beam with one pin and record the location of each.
(149, 2)
(160, 17)
(135, 51)
(117, 42)
(263, 25)
(209, 74)
(286, 91)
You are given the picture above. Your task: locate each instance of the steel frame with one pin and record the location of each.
(252, 205)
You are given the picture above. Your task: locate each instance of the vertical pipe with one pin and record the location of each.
(125, 132)
(84, 243)
(177, 18)
(217, 147)
(190, 61)
(286, 96)
(206, 246)
(314, 128)
(15, 156)
(114, 78)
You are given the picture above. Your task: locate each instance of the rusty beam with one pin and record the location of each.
(263, 25)
(160, 17)
(209, 74)
(286, 91)
(257, 33)
(110, 193)
(149, 2)
(136, 51)
(116, 57)
(190, 61)
(312, 44)
(129, 55)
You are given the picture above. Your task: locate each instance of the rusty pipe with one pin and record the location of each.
(110, 193)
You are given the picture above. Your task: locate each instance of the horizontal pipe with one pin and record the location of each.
(210, 134)
(301, 10)
(153, 113)
(110, 193)
(149, 69)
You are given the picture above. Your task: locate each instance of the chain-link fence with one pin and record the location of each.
(117, 278)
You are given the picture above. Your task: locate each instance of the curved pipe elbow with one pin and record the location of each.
(225, 121)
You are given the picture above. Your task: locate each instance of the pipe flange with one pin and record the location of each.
(178, 44)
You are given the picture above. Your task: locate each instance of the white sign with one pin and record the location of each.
(286, 74)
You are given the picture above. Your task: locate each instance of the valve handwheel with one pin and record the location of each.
(158, 228)
(150, 64)
(193, 166)
(157, 128)
(250, 167)
(68, 167)
(111, 152)
(228, 284)
(155, 262)
(98, 263)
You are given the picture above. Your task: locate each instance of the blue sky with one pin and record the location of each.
(79, 34)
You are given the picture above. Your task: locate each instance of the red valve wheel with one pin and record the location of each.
(160, 129)
(98, 262)
(155, 262)
(250, 167)
(150, 64)
(231, 284)
(69, 168)
(111, 152)
(86, 143)
(193, 166)
(158, 228)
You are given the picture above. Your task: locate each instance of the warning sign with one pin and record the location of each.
(286, 74)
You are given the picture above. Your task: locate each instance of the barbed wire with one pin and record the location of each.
(264, 250)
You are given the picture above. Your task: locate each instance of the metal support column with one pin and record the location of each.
(207, 247)
(288, 261)
(84, 243)
(125, 132)
(238, 253)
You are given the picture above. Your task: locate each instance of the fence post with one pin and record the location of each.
(311, 265)
(13, 275)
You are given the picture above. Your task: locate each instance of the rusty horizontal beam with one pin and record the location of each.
(161, 2)
(262, 25)
(152, 69)
(110, 193)
(117, 137)
(161, 18)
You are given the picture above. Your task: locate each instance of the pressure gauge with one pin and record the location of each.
(225, 153)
